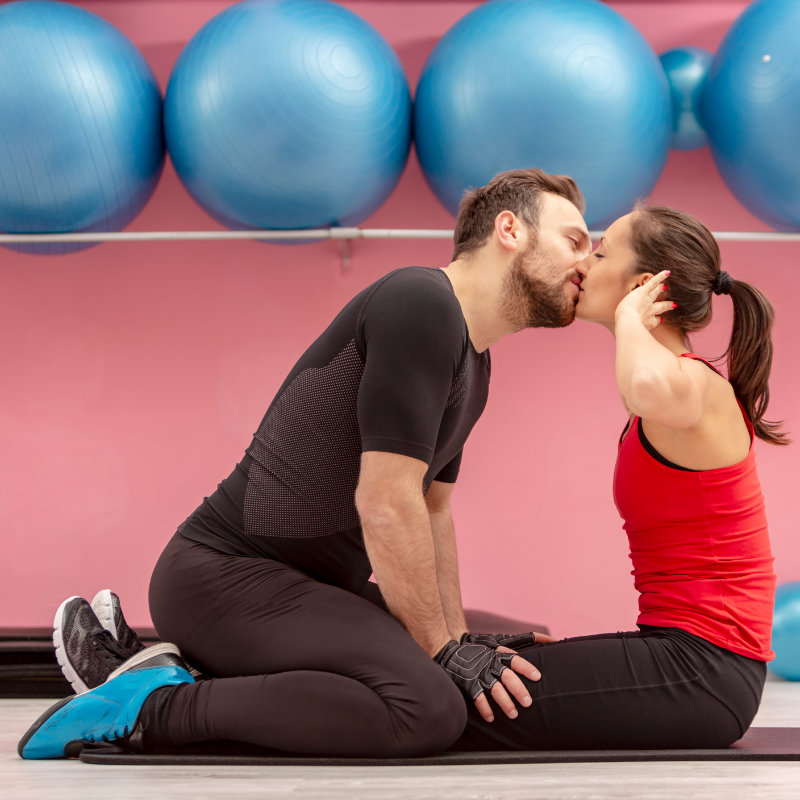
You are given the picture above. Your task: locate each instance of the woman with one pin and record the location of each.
(686, 487)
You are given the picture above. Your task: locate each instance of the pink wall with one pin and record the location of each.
(134, 375)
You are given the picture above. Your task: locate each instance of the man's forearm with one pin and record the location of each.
(401, 551)
(444, 541)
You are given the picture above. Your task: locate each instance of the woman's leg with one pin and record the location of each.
(300, 666)
(658, 688)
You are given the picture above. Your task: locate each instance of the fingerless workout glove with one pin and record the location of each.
(474, 668)
(512, 640)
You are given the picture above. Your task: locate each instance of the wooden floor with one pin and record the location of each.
(676, 780)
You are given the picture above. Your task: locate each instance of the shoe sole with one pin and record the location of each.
(103, 607)
(39, 722)
(162, 648)
(78, 686)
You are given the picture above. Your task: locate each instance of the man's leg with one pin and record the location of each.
(301, 666)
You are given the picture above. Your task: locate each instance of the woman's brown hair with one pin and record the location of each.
(665, 238)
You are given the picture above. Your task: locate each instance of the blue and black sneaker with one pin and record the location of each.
(108, 713)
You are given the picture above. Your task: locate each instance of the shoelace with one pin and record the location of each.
(108, 648)
(108, 739)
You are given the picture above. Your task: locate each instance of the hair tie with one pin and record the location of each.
(722, 283)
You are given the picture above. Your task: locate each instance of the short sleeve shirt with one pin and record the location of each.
(394, 372)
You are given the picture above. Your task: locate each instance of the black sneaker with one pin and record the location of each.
(86, 652)
(108, 611)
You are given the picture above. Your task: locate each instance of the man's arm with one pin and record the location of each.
(437, 501)
(400, 545)
(399, 542)
(444, 541)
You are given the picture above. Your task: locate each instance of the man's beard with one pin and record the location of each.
(531, 302)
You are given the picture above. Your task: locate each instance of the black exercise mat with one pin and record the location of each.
(758, 744)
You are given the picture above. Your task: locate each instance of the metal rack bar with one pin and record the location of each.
(316, 234)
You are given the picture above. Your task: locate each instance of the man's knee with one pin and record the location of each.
(438, 718)
(448, 715)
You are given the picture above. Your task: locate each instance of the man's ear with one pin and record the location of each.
(508, 229)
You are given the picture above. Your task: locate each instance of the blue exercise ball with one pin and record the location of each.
(752, 111)
(687, 72)
(569, 86)
(288, 114)
(786, 632)
(81, 139)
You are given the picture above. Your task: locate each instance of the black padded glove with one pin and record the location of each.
(512, 640)
(474, 668)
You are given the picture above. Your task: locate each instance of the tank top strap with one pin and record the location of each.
(695, 357)
(749, 424)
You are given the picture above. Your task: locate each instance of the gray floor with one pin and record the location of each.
(57, 780)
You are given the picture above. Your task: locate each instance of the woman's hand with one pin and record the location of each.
(643, 302)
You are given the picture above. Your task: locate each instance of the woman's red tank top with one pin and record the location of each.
(699, 546)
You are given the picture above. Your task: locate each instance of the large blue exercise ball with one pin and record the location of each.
(81, 139)
(569, 86)
(752, 111)
(786, 632)
(687, 72)
(288, 114)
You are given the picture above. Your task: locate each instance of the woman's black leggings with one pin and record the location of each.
(304, 667)
(653, 689)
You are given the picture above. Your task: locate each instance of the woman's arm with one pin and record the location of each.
(655, 384)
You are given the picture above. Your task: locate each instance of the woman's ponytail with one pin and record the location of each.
(749, 356)
(665, 238)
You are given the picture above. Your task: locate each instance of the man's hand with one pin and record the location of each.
(511, 640)
(476, 669)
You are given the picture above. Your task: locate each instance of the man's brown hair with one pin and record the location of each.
(519, 191)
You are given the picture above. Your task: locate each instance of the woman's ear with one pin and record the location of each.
(637, 280)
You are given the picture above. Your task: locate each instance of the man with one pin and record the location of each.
(349, 473)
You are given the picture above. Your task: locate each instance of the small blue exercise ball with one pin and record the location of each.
(752, 111)
(569, 86)
(81, 139)
(786, 632)
(687, 72)
(288, 114)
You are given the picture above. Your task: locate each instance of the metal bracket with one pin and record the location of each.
(343, 238)
(345, 255)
